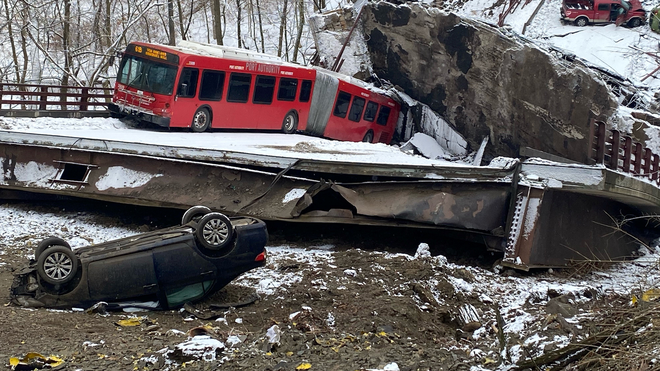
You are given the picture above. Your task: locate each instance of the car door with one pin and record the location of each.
(178, 263)
(122, 277)
(602, 12)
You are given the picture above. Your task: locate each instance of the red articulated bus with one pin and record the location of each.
(204, 87)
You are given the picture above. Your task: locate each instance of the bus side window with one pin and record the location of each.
(239, 87)
(370, 112)
(305, 90)
(287, 90)
(356, 109)
(264, 87)
(383, 115)
(342, 104)
(212, 84)
(188, 83)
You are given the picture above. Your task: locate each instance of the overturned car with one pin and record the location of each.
(169, 267)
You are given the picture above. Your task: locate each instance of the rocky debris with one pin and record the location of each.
(487, 83)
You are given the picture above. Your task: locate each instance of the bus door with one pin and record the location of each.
(186, 102)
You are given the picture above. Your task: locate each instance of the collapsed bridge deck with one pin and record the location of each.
(538, 213)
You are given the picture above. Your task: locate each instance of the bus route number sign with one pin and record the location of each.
(155, 53)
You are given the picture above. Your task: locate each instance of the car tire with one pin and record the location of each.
(635, 22)
(48, 242)
(201, 120)
(194, 213)
(368, 137)
(214, 231)
(57, 265)
(581, 22)
(290, 122)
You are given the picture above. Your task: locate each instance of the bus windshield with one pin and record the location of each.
(143, 74)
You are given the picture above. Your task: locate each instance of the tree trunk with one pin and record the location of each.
(181, 28)
(282, 28)
(301, 23)
(238, 23)
(170, 22)
(107, 26)
(261, 28)
(11, 41)
(25, 16)
(319, 5)
(66, 42)
(217, 20)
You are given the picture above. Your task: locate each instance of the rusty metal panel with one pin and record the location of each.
(470, 206)
(555, 227)
(149, 180)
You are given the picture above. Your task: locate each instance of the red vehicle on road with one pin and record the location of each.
(583, 12)
(204, 87)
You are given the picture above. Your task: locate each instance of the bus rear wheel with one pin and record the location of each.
(368, 137)
(201, 120)
(290, 123)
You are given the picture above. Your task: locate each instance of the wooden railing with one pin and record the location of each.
(619, 152)
(30, 97)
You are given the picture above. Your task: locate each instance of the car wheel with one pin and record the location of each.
(581, 22)
(48, 242)
(290, 123)
(635, 22)
(201, 120)
(57, 265)
(368, 137)
(194, 213)
(214, 231)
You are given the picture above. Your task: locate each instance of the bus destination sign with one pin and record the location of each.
(156, 54)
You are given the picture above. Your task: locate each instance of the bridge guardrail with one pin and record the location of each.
(53, 98)
(619, 152)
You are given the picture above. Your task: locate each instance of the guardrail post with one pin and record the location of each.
(627, 153)
(43, 98)
(637, 163)
(655, 162)
(83, 98)
(647, 162)
(616, 145)
(1, 97)
(600, 142)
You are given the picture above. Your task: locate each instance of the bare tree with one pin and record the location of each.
(301, 24)
(10, 31)
(170, 22)
(282, 28)
(66, 42)
(261, 27)
(218, 10)
(238, 23)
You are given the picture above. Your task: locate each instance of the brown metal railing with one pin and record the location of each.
(620, 152)
(53, 97)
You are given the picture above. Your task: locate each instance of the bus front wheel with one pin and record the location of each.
(290, 123)
(201, 120)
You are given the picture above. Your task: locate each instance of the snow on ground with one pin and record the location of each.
(22, 228)
(619, 49)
